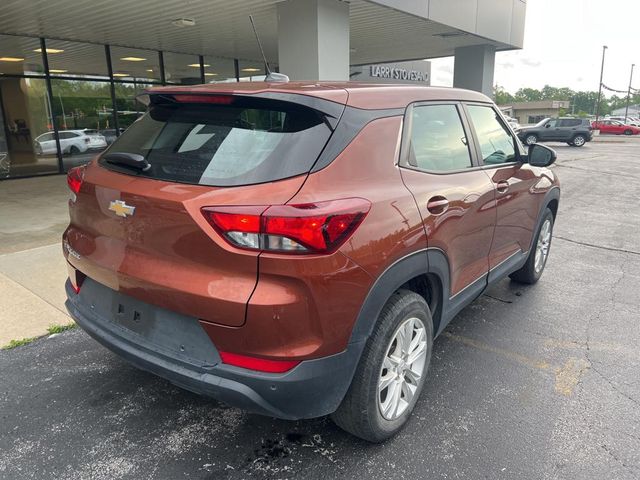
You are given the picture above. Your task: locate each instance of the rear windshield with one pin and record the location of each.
(249, 141)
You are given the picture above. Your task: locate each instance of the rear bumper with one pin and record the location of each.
(314, 388)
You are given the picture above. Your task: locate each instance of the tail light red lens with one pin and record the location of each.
(257, 364)
(75, 177)
(304, 228)
(215, 99)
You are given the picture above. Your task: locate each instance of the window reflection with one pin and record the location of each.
(73, 59)
(219, 70)
(25, 116)
(82, 112)
(128, 108)
(20, 56)
(251, 71)
(181, 68)
(131, 64)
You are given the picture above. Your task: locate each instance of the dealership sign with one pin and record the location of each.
(418, 71)
(394, 73)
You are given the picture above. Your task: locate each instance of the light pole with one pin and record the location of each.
(626, 110)
(604, 49)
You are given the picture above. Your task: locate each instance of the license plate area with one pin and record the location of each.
(137, 316)
(154, 328)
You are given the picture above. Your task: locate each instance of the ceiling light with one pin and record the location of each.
(197, 65)
(49, 50)
(208, 74)
(150, 70)
(251, 70)
(133, 59)
(183, 22)
(55, 70)
(121, 75)
(11, 59)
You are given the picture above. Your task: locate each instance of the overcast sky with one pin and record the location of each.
(563, 47)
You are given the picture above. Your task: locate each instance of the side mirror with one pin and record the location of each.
(540, 155)
(547, 125)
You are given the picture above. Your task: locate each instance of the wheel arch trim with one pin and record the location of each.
(428, 261)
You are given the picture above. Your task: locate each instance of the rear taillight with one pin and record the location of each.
(257, 364)
(75, 177)
(215, 99)
(305, 228)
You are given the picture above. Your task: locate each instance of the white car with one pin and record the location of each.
(634, 122)
(513, 122)
(71, 141)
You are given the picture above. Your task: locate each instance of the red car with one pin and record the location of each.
(293, 249)
(615, 127)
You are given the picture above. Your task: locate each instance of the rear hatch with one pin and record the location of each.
(136, 221)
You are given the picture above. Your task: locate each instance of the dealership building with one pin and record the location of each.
(70, 71)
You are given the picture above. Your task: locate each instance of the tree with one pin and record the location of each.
(501, 96)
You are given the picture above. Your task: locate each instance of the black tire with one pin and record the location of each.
(74, 150)
(528, 273)
(579, 140)
(570, 144)
(359, 412)
(628, 132)
(530, 139)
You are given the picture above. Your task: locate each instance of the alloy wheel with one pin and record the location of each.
(402, 368)
(531, 139)
(542, 246)
(578, 141)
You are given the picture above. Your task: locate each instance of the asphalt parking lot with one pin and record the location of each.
(537, 382)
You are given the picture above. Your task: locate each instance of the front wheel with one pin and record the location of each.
(579, 140)
(532, 270)
(628, 132)
(391, 372)
(531, 139)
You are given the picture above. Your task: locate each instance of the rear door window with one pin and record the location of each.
(438, 140)
(570, 122)
(246, 142)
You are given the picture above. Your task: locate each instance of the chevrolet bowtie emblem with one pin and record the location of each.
(121, 209)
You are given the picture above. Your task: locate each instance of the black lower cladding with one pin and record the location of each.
(175, 347)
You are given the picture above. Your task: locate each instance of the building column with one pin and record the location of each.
(313, 39)
(473, 68)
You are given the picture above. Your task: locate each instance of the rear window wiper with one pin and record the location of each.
(126, 159)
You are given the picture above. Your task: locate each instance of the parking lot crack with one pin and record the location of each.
(601, 247)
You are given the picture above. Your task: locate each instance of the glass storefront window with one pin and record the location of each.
(219, 70)
(128, 108)
(20, 56)
(27, 145)
(131, 64)
(73, 59)
(83, 115)
(251, 71)
(182, 69)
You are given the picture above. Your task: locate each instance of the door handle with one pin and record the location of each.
(437, 205)
(502, 186)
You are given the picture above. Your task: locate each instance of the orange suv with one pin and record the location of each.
(294, 248)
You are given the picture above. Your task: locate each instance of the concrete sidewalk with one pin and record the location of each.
(32, 268)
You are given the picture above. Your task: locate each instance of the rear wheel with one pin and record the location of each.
(537, 259)
(628, 132)
(74, 150)
(391, 372)
(579, 140)
(531, 139)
